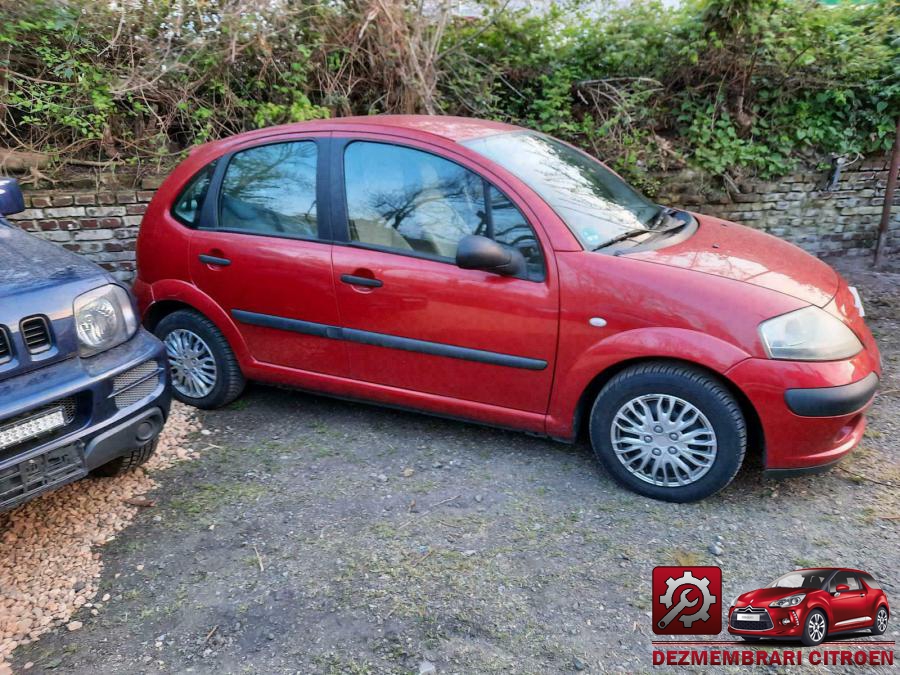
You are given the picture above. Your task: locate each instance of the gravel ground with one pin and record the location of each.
(323, 536)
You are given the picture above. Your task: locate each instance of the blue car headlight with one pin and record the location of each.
(104, 318)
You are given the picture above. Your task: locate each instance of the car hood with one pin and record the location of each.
(27, 262)
(761, 597)
(734, 251)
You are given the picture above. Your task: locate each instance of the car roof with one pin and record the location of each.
(832, 569)
(447, 127)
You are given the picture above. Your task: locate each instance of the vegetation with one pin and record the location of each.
(729, 86)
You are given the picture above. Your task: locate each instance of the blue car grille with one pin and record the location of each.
(5, 349)
(136, 384)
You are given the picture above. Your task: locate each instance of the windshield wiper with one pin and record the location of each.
(636, 231)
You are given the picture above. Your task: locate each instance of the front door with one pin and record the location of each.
(850, 608)
(414, 320)
(261, 256)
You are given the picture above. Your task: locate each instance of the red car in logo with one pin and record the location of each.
(809, 605)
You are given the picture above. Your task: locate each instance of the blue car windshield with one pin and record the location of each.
(593, 201)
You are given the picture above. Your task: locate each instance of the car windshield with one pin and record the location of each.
(801, 579)
(594, 202)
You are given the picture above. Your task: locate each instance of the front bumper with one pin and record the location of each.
(114, 402)
(811, 413)
(793, 629)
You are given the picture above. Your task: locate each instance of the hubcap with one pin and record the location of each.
(882, 620)
(663, 440)
(817, 627)
(191, 362)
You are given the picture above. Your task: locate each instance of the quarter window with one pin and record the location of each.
(271, 189)
(189, 204)
(414, 202)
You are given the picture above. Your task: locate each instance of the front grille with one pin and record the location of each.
(36, 334)
(53, 468)
(763, 623)
(135, 384)
(5, 349)
(45, 421)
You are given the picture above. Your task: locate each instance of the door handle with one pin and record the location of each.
(361, 281)
(213, 260)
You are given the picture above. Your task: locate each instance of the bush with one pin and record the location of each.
(729, 86)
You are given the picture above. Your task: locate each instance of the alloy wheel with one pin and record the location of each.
(881, 619)
(664, 440)
(191, 362)
(817, 627)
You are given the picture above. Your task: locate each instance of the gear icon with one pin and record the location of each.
(701, 584)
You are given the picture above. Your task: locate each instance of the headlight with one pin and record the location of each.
(104, 318)
(790, 601)
(808, 334)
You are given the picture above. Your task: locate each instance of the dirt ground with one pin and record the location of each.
(329, 537)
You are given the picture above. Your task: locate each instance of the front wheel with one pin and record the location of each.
(128, 461)
(668, 431)
(205, 372)
(881, 619)
(815, 629)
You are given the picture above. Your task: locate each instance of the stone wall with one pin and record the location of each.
(102, 222)
(798, 208)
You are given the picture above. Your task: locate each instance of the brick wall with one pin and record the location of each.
(102, 223)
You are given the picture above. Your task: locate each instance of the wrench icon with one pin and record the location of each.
(676, 610)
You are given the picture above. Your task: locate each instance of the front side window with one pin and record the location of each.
(271, 189)
(847, 578)
(411, 201)
(189, 204)
(594, 202)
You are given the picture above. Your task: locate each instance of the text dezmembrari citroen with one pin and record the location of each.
(486, 272)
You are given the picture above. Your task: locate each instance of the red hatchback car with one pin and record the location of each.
(482, 271)
(810, 604)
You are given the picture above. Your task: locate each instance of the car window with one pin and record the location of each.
(189, 204)
(847, 578)
(870, 582)
(271, 189)
(414, 202)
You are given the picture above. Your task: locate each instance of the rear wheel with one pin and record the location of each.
(881, 619)
(668, 431)
(815, 629)
(205, 372)
(128, 461)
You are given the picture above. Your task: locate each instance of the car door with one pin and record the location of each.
(262, 253)
(412, 318)
(850, 608)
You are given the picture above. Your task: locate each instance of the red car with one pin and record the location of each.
(809, 605)
(482, 271)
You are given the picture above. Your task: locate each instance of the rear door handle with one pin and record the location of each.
(361, 281)
(213, 260)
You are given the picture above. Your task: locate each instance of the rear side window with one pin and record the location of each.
(271, 189)
(190, 202)
(870, 582)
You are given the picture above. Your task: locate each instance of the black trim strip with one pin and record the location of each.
(389, 341)
(832, 401)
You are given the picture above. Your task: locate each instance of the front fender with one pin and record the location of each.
(639, 344)
(174, 290)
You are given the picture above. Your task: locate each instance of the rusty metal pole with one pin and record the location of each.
(881, 244)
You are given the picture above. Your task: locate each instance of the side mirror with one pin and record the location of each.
(11, 199)
(480, 253)
(842, 588)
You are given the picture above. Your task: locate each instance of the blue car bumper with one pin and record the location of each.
(98, 409)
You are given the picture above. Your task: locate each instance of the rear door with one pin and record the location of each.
(263, 252)
(414, 320)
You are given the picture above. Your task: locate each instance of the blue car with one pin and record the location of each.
(83, 387)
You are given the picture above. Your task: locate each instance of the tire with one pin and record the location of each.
(693, 461)
(881, 619)
(227, 380)
(816, 620)
(128, 461)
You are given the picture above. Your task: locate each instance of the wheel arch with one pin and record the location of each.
(755, 437)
